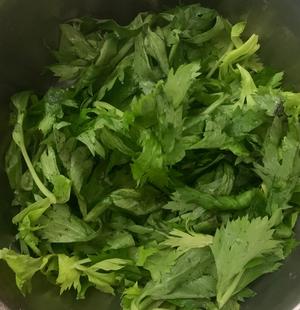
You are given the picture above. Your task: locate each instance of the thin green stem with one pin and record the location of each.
(34, 175)
(215, 104)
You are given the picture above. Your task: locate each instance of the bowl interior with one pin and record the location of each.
(29, 29)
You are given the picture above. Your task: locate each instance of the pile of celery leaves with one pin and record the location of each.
(163, 167)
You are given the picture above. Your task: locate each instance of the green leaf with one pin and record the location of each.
(120, 240)
(155, 47)
(61, 188)
(234, 247)
(218, 182)
(178, 83)
(27, 221)
(208, 201)
(80, 45)
(280, 173)
(143, 254)
(115, 142)
(291, 104)
(141, 62)
(190, 277)
(248, 88)
(34, 211)
(102, 281)
(71, 269)
(108, 50)
(24, 267)
(244, 51)
(49, 164)
(80, 169)
(61, 184)
(137, 201)
(236, 32)
(68, 275)
(52, 103)
(59, 225)
(184, 241)
(13, 165)
(161, 263)
(210, 34)
(216, 137)
(89, 139)
(65, 72)
(149, 165)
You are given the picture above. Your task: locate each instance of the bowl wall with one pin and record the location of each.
(29, 28)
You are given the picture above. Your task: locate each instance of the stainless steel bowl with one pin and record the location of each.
(29, 28)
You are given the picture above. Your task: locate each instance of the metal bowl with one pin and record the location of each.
(29, 28)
